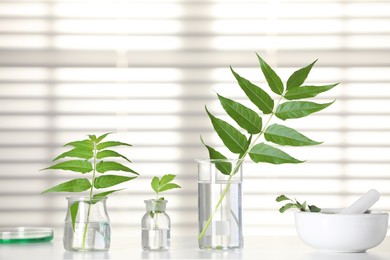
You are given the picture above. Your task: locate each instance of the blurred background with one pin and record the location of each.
(146, 69)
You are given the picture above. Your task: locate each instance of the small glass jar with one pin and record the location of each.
(91, 230)
(156, 226)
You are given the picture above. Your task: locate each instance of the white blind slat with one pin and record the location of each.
(73, 67)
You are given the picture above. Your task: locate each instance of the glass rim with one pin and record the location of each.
(85, 198)
(154, 200)
(218, 160)
(25, 229)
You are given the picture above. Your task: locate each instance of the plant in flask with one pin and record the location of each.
(87, 225)
(258, 139)
(156, 224)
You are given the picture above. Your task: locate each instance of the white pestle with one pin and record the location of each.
(363, 203)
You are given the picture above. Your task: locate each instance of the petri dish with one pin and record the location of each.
(26, 235)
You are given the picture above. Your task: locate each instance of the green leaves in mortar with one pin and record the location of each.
(293, 203)
(249, 119)
(92, 156)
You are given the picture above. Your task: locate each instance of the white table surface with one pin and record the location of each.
(267, 248)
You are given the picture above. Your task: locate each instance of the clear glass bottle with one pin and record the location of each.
(156, 226)
(91, 230)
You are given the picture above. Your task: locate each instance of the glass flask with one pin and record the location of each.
(220, 204)
(156, 226)
(91, 228)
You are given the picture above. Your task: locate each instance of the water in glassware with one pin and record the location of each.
(155, 239)
(225, 229)
(97, 237)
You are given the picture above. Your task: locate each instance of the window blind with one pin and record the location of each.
(145, 70)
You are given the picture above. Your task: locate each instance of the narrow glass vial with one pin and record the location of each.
(156, 226)
(91, 230)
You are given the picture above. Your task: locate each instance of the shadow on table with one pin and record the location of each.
(344, 256)
(85, 255)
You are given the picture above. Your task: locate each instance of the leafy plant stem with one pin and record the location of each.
(216, 208)
(90, 194)
(237, 166)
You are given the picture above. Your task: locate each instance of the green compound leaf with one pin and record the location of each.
(298, 109)
(84, 144)
(282, 198)
(155, 184)
(72, 165)
(103, 167)
(107, 144)
(74, 208)
(314, 208)
(92, 138)
(109, 153)
(164, 184)
(244, 116)
(307, 91)
(233, 139)
(168, 186)
(104, 194)
(76, 185)
(273, 80)
(255, 94)
(295, 204)
(76, 153)
(265, 153)
(223, 167)
(299, 76)
(166, 179)
(108, 180)
(287, 207)
(284, 135)
(100, 138)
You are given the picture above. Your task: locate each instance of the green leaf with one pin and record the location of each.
(155, 184)
(108, 180)
(166, 179)
(298, 109)
(76, 185)
(287, 207)
(92, 138)
(265, 153)
(273, 80)
(99, 196)
(74, 208)
(281, 198)
(77, 153)
(314, 208)
(255, 94)
(107, 144)
(223, 167)
(103, 167)
(100, 138)
(163, 184)
(72, 165)
(109, 153)
(233, 139)
(284, 135)
(307, 91)
(84, 144)
(299, 77)
(169, 186)
(244, 116)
